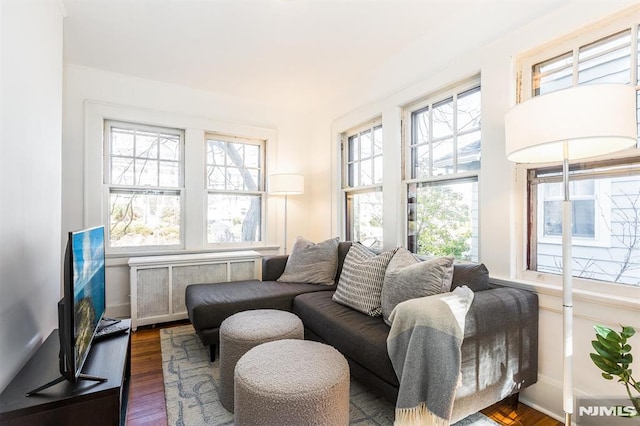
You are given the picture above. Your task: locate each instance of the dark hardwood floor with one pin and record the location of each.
(146, 390)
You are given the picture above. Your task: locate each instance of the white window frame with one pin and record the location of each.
(195, 128)
(262, 184)
(349, 190)
(407, 132)
(109, 186)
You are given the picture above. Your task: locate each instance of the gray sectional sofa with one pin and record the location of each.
(499, 351)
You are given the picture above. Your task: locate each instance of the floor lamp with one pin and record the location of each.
(571, 124)
(286, 184)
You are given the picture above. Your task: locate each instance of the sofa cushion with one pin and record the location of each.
(359, 337)
(312, 263)
(360, 283)
(407, 277)
(210, 304)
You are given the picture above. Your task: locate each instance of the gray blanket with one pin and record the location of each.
(424, 347)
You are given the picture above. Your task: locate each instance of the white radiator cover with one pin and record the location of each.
(158, 282)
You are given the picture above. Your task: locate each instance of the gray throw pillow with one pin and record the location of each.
(407, 277)
(360, 283)
(312, 263)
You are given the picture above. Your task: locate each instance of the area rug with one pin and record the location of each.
(191, 388)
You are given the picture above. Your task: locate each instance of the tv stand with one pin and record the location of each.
(62, 378)
(63, 402)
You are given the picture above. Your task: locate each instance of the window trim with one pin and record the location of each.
(94, 210)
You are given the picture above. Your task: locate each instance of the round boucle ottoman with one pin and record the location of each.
(292, 382)
(245, 330)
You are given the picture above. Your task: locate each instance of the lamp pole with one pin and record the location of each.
(567, 293)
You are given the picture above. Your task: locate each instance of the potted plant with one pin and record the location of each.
(613, 357)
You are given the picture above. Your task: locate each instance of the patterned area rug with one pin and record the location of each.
(191, 388)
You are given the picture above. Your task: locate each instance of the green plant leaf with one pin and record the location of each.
(607, 376)
(626, 349)
(613, 346)
(605, 352)
(602, 330)
(604, 364)
(628, 331)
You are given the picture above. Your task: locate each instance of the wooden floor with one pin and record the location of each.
(146, 390)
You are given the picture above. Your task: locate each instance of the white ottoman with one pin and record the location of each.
(292, 382)
(245, 330)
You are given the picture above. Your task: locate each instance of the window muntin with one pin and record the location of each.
(606, 221)
(362, 184)
(144, 184)
(602, 216)
(443, 156)
(235, 189)
(445, 136)
(364, 160)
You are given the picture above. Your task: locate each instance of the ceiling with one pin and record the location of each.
(275, 50)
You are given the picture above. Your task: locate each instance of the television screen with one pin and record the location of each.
(87, 252)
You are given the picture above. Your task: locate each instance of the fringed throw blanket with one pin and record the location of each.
(424, 347)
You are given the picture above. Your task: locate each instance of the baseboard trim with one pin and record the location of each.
(546, 396)
(119, 311)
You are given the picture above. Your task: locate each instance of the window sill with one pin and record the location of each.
(135, 254)
(601, 293)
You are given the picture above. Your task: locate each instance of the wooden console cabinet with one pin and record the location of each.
(67, 403)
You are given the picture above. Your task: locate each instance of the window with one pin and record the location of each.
(605, 194)
(362, 184)
(442, 166)
(606, 220)
(235, 189)
(144, 184)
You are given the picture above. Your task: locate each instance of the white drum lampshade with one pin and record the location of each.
(286, 184)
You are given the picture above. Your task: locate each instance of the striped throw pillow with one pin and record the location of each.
(360, 284)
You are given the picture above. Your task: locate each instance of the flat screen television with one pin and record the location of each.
(82, 307)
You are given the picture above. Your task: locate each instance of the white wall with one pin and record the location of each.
(30, 178)
(180, 104)
(403, 79)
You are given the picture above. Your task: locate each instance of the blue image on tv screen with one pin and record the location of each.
(88, 287)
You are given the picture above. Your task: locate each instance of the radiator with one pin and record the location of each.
(158, 282)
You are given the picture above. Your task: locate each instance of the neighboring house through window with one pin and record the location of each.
(362, 183)
(442, 165)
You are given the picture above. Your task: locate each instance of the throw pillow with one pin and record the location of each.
(360, 283)
(408, 278)
(312, 263)
(473, 275)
